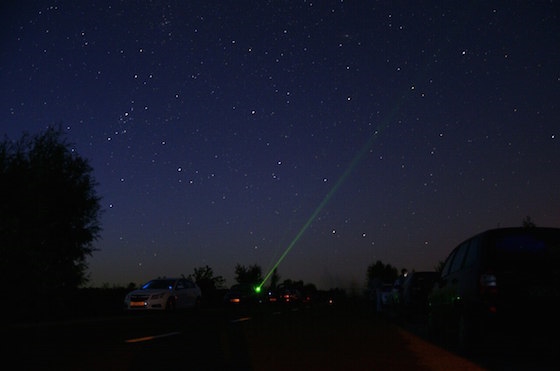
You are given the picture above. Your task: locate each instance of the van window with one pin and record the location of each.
(459, 257)
(447, 266)
(472, 253)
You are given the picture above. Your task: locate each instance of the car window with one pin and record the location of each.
(189, 284)
(180, 285)
(448, 262)
(472, 253)
(459, 257)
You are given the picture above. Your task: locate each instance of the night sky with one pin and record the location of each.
(220, 131)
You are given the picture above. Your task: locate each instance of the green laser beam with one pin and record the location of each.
(323, 203)
(333, 190)
(349, 169)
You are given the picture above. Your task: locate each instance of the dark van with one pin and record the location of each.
(505, 279)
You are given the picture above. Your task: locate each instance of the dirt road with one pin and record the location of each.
(343, 340)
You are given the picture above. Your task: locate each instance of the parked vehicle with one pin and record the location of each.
(243, 295)
(502, 279)
(397, 290)
(386, 296)
(164, 294)
(289, 295)
(413, 304)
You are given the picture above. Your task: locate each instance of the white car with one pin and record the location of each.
(164, 294)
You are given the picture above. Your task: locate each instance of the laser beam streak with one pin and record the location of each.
(323, 203)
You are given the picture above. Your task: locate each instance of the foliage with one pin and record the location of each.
(205, 279)
(49, 214)
(274, 279)
(291, 284)
(379, 273)
(528, 222)
(248, 275)
(299, 285)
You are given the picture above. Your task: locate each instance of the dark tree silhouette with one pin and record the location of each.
(528, 222)
(49, 215)
(209, 284)
(380, 272)
(248, 275)
(205, 279)
(274, 279)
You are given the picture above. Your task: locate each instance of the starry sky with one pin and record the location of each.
(223, 132)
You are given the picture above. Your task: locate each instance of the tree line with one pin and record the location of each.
(50, 217)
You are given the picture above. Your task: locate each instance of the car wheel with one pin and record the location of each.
(171, 305)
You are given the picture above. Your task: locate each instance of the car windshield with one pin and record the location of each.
(159, 284)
